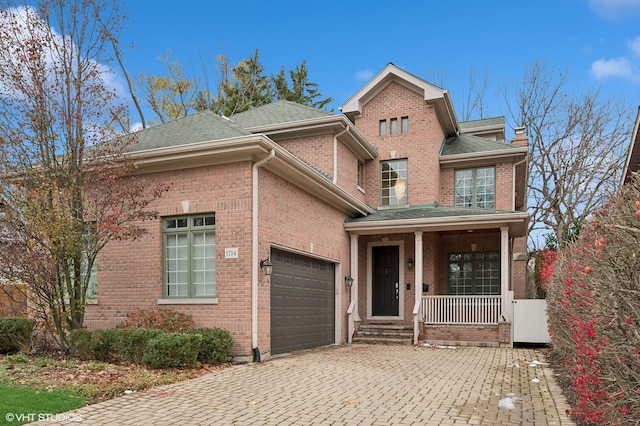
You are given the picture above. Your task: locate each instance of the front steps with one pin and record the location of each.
(384, 334)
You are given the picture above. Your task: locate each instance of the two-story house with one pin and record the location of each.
(294, 228)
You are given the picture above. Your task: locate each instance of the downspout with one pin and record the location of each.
(335, 153)
(254, 252)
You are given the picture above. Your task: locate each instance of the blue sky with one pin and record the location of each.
(347, 42)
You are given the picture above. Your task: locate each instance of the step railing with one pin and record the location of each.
(467, 310)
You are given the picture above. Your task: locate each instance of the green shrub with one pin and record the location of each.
(161, 319)
(97, 345)
(216, 345)
(15, 334)
(172, 350)
(129, 344)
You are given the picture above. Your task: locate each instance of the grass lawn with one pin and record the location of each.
(20, 405)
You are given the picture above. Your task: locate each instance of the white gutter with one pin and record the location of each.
(254, 252)
(335, 153)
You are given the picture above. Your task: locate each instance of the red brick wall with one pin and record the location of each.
(130, 272)
(504, 186)
(295, 220)
(420, 145)
(461, 334)
(314, 150)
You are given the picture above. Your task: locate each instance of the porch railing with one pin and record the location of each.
(480, 310)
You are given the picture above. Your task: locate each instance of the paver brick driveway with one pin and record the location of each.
(354, 385)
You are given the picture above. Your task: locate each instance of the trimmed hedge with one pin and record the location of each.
(216, 345)
(130, 344)
(172, 350)
(15, 334)
(97, 344)
(166, 320)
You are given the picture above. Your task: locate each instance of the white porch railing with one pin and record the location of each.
(480, 310)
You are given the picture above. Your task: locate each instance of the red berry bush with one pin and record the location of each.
(594, 313)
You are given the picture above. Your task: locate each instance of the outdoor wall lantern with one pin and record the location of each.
(349, 280)
(267, 265)
(410, 263)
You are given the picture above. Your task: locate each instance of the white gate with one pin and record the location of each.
(530, 321)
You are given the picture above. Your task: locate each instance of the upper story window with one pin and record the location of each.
(190, 256)
(474, 273)
(404, 124)
(393, 126)
(360, 175)
(393, 182)
(383, 127)
(476, 187)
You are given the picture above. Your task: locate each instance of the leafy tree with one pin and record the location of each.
(171, 96)
(240, 87)
(302, 90)
(65, 191)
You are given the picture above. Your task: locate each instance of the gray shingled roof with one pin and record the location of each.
(277, 113)
(467, 144)
(200, 127)
(485, 122)
(428, 211)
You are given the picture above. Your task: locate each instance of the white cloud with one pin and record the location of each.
(617, 67)
(634, 45)
(614, 9)
(364, 75)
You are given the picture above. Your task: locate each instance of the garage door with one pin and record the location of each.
(302, 302)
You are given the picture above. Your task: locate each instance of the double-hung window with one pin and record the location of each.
(474, 273)
(190, 256)
(393, 182)
(476, 187)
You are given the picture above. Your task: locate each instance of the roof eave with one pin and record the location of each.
(516, 221)
(250, 148)
(504, 155)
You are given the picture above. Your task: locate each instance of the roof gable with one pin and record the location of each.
(431, 94)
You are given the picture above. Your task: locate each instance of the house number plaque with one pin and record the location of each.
(231, 253)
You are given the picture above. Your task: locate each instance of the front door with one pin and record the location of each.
(385, 286)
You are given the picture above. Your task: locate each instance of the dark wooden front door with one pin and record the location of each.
(385, 298)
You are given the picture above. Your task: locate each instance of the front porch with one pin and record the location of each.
(443, 320)
(450, 283)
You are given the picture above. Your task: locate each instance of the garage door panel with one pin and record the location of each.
(302, 302)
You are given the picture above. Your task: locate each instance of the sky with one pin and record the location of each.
(345, 43)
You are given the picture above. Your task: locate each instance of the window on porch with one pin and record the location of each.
(476, 273)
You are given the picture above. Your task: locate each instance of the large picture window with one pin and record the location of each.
(476, 187)
(190, 256)
(393, 183)
(474, 273)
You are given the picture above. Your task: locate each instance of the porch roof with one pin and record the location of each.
(434, 217)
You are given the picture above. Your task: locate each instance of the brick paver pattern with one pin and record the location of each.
(354, 385)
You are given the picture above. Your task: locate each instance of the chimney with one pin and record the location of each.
(521, 139)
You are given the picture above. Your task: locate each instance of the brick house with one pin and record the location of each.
(391, 213)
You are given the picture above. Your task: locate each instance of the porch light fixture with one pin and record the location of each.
(349, 280)
(267, 265)
(410, 263)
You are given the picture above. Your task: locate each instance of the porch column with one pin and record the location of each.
(354, 275)
(418, 262)
(418, 265)
(505, 271)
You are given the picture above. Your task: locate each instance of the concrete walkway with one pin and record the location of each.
(353, 385)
